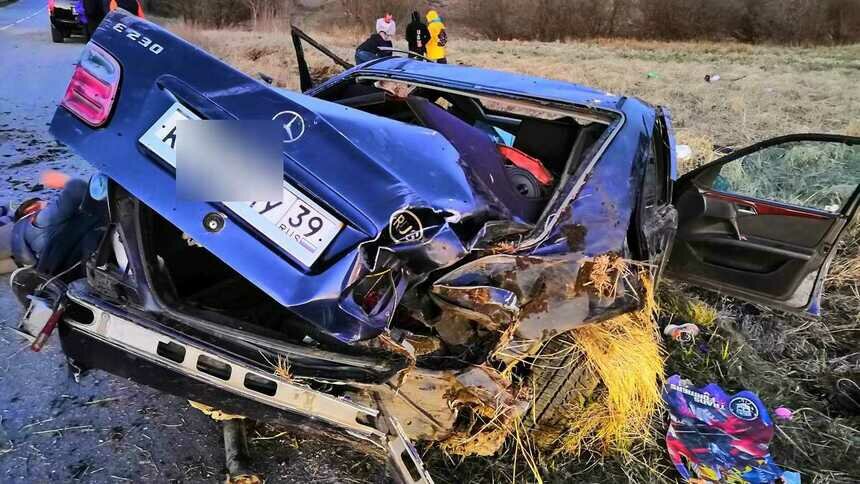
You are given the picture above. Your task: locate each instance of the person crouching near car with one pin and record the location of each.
(371, 48)
(438, 38)
(52, 237)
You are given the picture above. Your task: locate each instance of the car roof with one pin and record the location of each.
(490, 81)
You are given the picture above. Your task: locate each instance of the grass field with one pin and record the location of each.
(785, 90)
(765, 91)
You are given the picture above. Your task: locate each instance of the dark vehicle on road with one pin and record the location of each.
(67, 18)
(439, 224)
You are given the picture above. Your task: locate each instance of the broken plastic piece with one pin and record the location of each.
(683, 152)
(783, 413)
(403, 456)
(682, 333)
(214, 413)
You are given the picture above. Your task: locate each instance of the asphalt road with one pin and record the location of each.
(102, 429)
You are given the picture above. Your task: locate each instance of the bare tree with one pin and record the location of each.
(264, 11)
(365, 12)
(777, 21)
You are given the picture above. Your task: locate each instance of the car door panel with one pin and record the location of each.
(760, 249)
(306, 79)
(766, 223)
(761, 207)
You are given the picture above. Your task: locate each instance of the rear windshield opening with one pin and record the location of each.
(539, 146)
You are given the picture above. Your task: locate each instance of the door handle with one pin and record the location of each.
(747, 210)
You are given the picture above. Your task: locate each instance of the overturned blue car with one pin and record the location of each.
(440, 227)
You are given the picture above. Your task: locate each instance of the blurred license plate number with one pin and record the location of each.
(295, 223)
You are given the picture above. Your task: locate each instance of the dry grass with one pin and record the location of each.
(625, 352)
(605, 271)
(214, 413)
(843, 281)
(786, 90)
(681, 308)
(783, 90)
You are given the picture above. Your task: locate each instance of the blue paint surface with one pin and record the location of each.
(360, 167)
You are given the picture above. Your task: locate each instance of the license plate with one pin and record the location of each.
(295, 223)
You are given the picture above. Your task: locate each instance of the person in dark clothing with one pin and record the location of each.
(54, 234)
(370, 48)
(95, 14)
(417, 35)
(52, 238)
(96, 10)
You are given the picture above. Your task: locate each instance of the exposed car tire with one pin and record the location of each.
(559, 384)
(57, 35)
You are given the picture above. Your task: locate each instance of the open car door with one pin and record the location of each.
(763, 223)
(306, 76)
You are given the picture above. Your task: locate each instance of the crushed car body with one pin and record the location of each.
(463, 218)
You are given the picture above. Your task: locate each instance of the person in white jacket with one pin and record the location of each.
(386, 24)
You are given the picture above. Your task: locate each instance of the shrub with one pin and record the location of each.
(221, 13)
(365, 12)
(777, 21)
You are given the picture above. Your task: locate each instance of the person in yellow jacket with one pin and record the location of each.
(438, 38)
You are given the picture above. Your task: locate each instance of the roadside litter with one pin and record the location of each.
(683, 152)
(717, 437)
(683, 333)
(716, 77)
(783, 413)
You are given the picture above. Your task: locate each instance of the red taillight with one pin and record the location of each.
(93, 87)
(51, 6)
